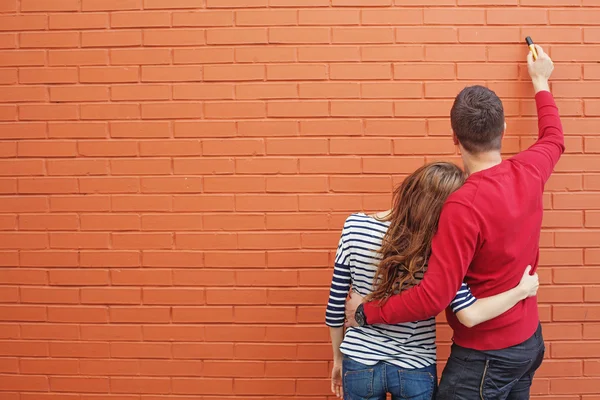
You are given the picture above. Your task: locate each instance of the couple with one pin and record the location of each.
(456, 243)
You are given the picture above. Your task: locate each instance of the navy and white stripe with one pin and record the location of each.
(464, 298)
(408, 345)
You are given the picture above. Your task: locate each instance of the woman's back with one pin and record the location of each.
(410, 345)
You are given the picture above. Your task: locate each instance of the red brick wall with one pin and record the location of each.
(174, 175)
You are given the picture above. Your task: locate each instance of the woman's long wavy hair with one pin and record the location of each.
(414, 218)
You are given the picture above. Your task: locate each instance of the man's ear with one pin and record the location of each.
(504, 131)
(454, 138)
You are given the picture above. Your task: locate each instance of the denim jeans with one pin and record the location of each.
(363, 381)
(504, 374)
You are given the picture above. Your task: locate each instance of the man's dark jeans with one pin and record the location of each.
(492, 375)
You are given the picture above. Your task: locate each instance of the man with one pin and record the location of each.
(489, 230)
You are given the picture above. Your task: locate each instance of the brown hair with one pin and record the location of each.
(477, 119)
(414, 218)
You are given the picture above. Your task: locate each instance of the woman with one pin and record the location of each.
(380, 255)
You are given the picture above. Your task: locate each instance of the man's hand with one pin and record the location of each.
(352, 304)
(337, 387)
(540, 69)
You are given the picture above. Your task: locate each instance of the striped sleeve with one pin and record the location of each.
(464, 298)
(340, 285)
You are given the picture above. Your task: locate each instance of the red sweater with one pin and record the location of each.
(489, 231)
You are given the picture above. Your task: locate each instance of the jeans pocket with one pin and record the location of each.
(416, 385)
(358, 380)
(500, 376)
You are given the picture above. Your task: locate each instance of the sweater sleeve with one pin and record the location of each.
(453, 247)
(546, 151)
(340, 285)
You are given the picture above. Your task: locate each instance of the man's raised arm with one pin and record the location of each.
(545, 153)
(453, 247)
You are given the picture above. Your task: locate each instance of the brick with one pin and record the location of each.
(280, 17)
(153, 258)
(242, 368)
(179, 37)
(41, 5)
(110, 296)
(102, 258)
(139, 315)
(570, 17)
(47, 221)
(171, 110)
(77, 130)
(162, 4)
(8, 76)
(21, 58)
(423, 71)
(109, 74)
(34, 112)
(109, 367)
(79, 93)
(264, 386)
(444, 16)
(23, 94)
(108, 185)
(79, 349)
(202, 18)
(49, 366)
(236, 3)
(78, 314)
(362, 35)
(21, 276)
(368, 184)
(208, 315)
(78, 277)
(522, 16)
(299, 35)
(266, 278)
(140, 56)
(202, 386)
(28, 348)
(141, 277)
(256, 241)
(265, 352)
(203, 55)
(78, 21)
(82, 384)
(31, 383)
(137, 19)
(203, 278)
(111, 38)
(304, 369)
(8, 113)
(353, 3)
(208, 241)
(77, 57)
(361, 108)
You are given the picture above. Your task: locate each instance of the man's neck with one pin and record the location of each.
(481, 161)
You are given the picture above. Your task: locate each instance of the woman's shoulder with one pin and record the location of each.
(361, 222)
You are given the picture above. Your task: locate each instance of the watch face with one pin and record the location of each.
(359, 316)
(360, 319)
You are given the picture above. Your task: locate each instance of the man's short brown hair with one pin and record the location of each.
(477, 118)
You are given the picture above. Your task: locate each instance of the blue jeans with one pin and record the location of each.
(504, 374)
(363, 381)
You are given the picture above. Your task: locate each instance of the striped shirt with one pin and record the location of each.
(408, 345)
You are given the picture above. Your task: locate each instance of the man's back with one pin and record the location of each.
(506, 203)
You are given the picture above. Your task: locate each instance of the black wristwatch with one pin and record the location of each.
(359, 316)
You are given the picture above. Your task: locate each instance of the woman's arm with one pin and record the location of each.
(335, 314)
(337, 335)
(471, 311)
